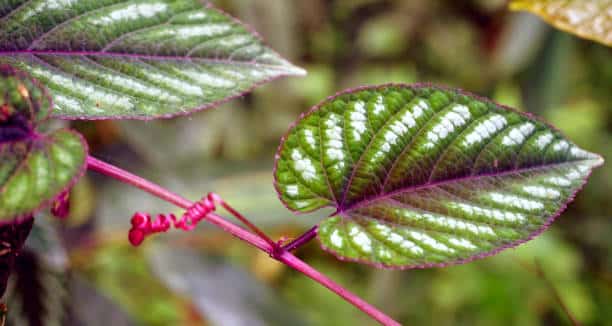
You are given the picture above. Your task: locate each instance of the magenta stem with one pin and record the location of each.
(248, 223)
(156, 190)
(302, 239)
(292, 261)
(283, 256)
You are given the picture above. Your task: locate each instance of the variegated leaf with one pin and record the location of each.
(35, 166)
(134, 59)
(424, 176)
(590, 19)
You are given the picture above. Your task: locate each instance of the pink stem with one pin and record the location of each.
(156, 190)
(248, 223)
(302, 239)
(283, 256)
(292, 261)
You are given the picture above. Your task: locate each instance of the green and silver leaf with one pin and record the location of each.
(135, 59)
(35, 167)
(424, 176)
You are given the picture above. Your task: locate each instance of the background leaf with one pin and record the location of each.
(424, 176)
(34, 167)
(588, 19)
(12, 238)
(135, 59)
(38, 294)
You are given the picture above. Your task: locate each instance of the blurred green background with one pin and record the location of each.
(83, 271)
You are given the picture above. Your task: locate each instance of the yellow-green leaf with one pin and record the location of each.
(588, 19)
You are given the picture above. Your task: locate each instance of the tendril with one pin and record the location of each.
(143, 225)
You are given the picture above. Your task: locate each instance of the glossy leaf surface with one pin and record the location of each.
(424, 176)
(587, 19)
(34, 167)
(134, 59)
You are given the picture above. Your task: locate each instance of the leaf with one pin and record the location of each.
(34, 167)
(12, 237)
(38, 292)
(587, 19)
(135, 59)
(424, 176)
(114, 263)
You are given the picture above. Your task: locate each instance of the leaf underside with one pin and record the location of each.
(587, 19)
(424, 176)
(134, 59)
(35, 167)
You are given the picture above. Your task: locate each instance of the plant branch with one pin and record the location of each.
(302, 239)
(279, 253)
(292, 261)
(245, 221)
(156, 190)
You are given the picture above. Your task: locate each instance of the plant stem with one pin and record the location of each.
(302, 239)
(292, 261)
(283, 255)
(248, 223)
(158, 191)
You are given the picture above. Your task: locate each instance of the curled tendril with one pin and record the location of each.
(143, 225)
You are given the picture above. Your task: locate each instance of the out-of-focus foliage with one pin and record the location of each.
(510, 57)
(225, 294)
(123, 274)
(588, 19)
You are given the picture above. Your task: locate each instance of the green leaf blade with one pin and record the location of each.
(35, 167)
(40, 170)
(426, 176)
(136, 59)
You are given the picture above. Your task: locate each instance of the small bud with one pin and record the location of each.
(60, 207)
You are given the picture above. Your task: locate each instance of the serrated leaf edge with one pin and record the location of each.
(482, 255)
(445, 88)
(493, 252)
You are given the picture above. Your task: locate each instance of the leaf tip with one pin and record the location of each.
(294, 70)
